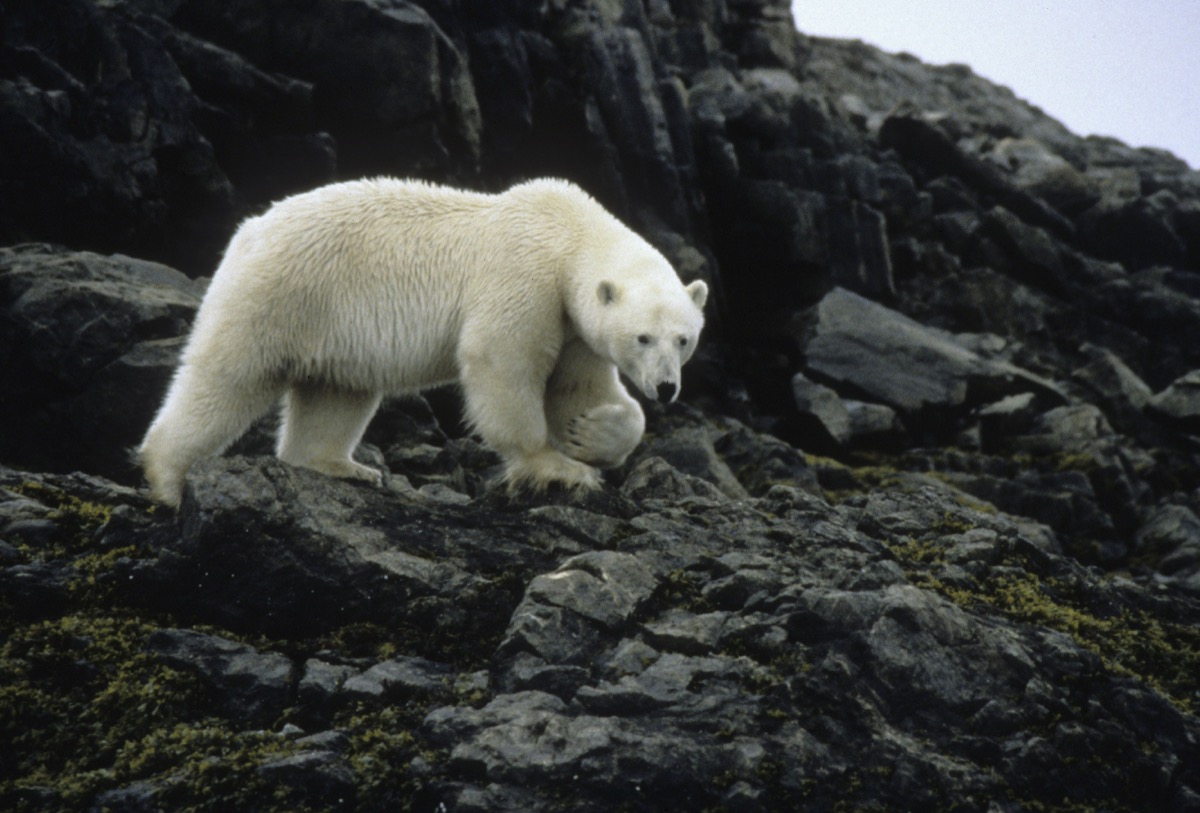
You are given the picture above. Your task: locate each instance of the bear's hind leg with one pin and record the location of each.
(201, 415)
(322, 427)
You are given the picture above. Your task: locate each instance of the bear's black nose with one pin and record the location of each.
(666, 391)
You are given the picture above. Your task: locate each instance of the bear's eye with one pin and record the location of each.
(683, 341)
(644, 339)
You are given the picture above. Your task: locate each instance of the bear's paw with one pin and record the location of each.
(548, 467)
(605, 435)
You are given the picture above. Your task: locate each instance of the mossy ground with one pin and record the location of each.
(1129, 640)
(86, 708)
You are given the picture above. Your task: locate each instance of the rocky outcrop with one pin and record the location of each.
(921, 534)
(662, 646)
(89, 343)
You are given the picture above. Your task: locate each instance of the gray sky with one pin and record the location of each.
(1123, 68)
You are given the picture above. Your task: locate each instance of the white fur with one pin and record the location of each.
(531, 299)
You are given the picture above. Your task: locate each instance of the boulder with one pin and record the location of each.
(1170, 536)
(1008, 417)
(635, 117)
(88, 344)
(824, 411)
(870, 350)
(761, 461)
(389, 83)
(875, 426)
(1139, 232)
(1180, 402)
(1116, 388)
(238, 524)
(692, 452)
(1038, 169)
(397, 680)
(100, 138)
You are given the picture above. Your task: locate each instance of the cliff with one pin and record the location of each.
(923, 534)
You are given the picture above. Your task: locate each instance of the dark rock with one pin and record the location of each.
(1023, 252)
(388, 82)
(875, 426)
(1170, 535)
(397, 680)
(692, 452)
(1180, 402)
(763, 34)
(239, 526)
(1007, 417)
(89, 343)
(1066, 501)
(604, 587)
(321, 776)
(134, 798)
(722, 636)
(924, 141)
(37, 588)
(1137, 232)
(1036, 168)
(101, 147)
(1063, 430)
(869, 349)
(762, 461)
(858, 343)
(635, 116)
(827, 416)
(260, 124)
(1116, 388)
(862, 262)
(250, 687)
(320, 683)
(655, 478)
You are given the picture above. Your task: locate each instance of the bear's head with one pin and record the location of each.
(648, 327)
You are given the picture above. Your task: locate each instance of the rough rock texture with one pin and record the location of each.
(922, 533)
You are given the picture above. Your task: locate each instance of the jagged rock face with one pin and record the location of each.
(665, 646)
(922, 533)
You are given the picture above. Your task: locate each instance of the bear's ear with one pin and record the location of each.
(607, 292)
(698, 291)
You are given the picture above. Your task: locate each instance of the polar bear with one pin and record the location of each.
(534, 300)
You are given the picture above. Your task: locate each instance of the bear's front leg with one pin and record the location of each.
(505, 406)
(591, 415)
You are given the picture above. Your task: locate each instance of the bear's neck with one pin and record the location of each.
(597, 258)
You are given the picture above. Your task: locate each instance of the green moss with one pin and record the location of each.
(918, 551)
(1084, 462)
(359, 640)
(78, 518)
(205, 766)
(681, 590)
(84, 709)
(74, 690)
(969, 502)
(1164, 655)
(381, 751)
